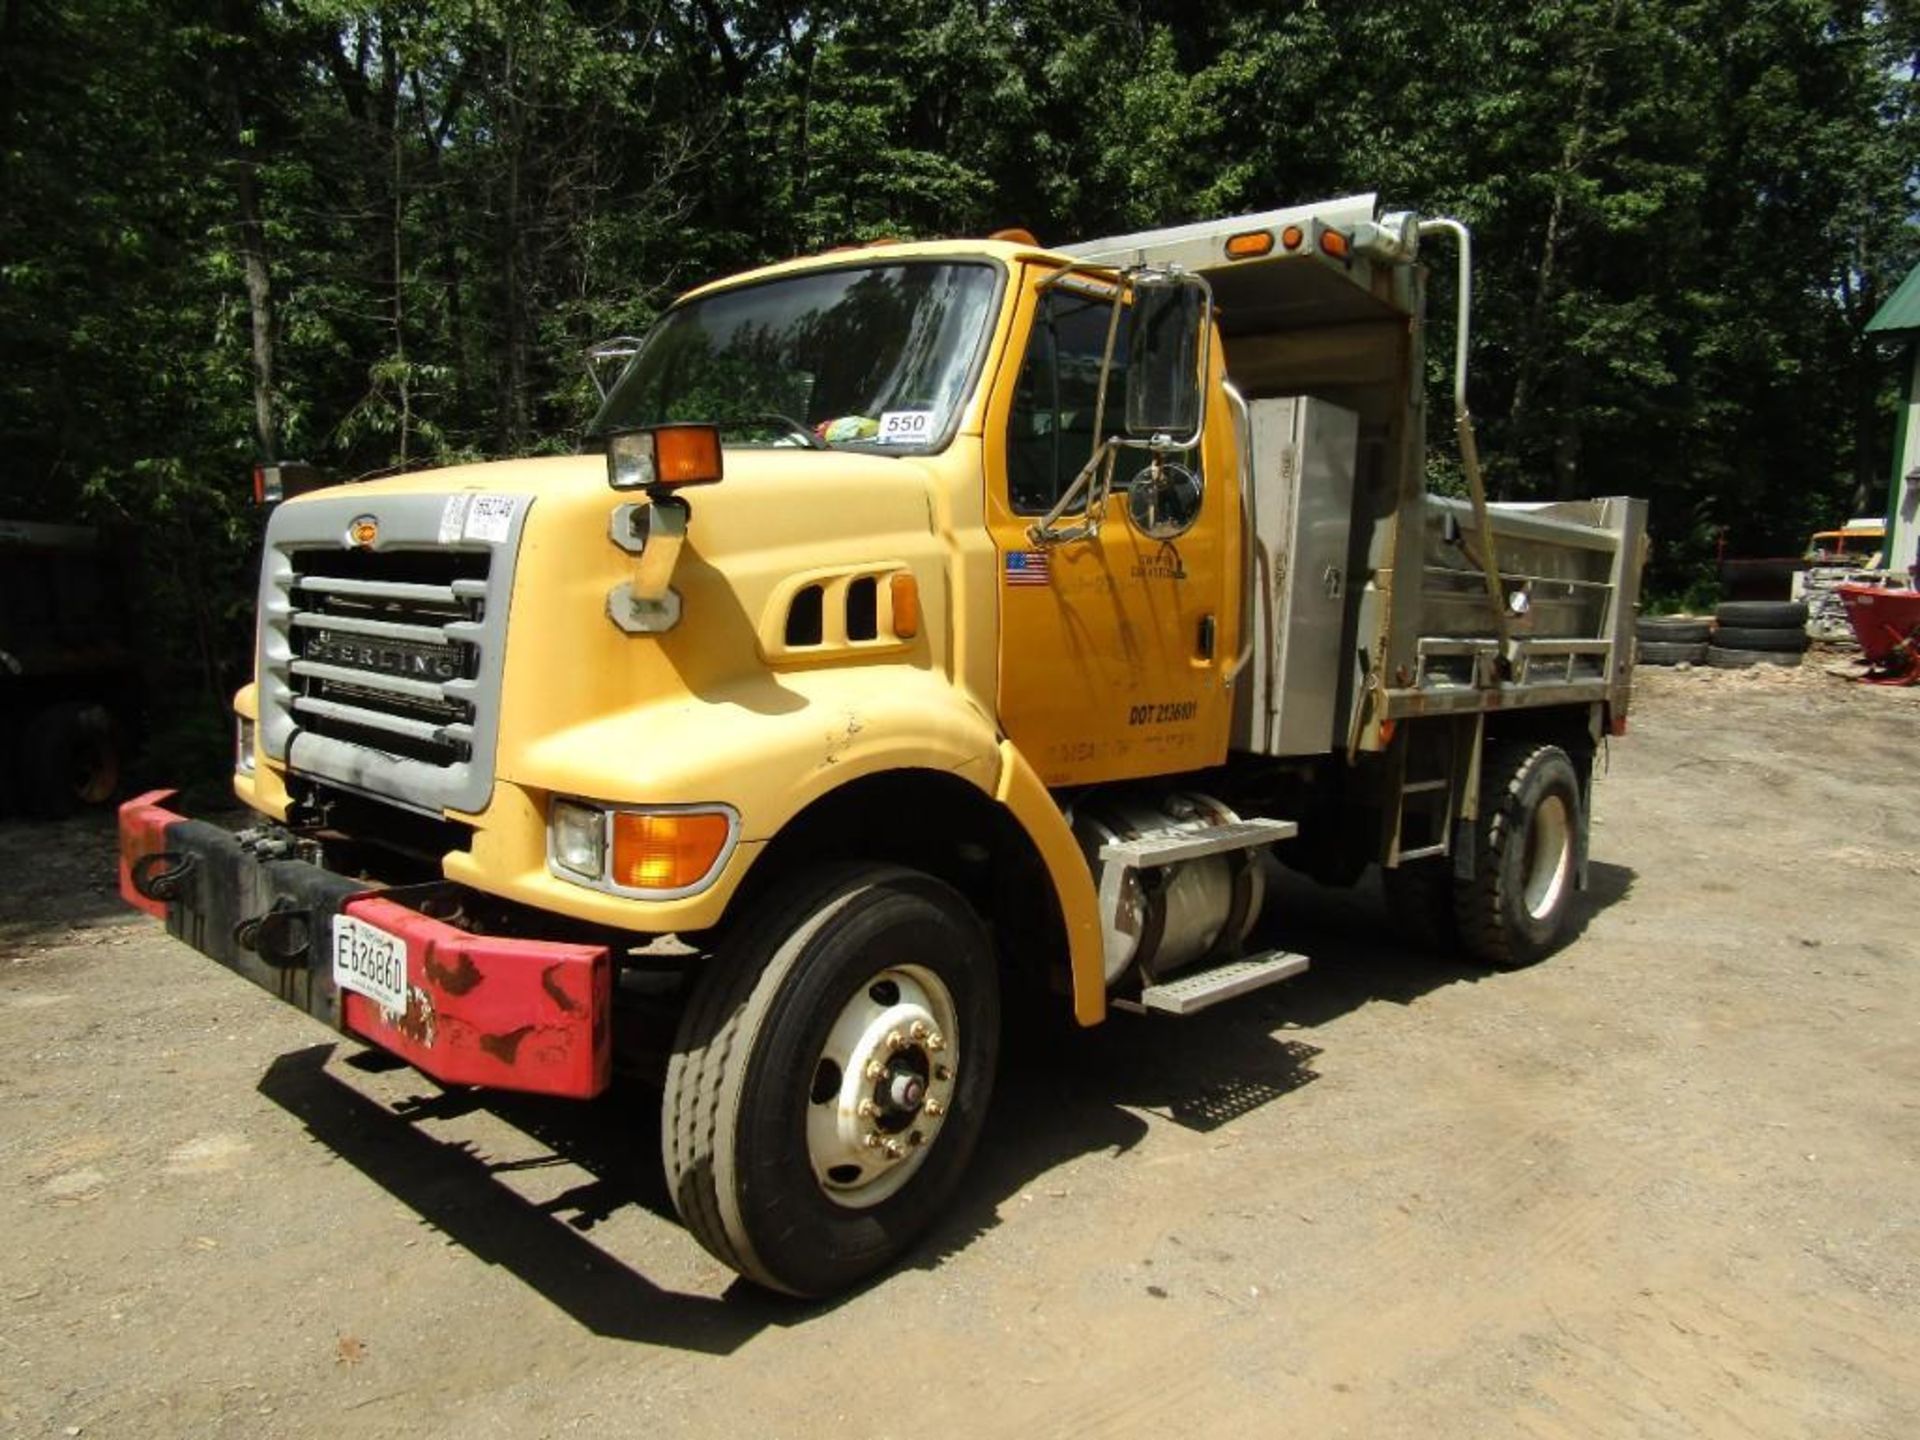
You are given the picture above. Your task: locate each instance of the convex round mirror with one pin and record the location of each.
(1163, 500)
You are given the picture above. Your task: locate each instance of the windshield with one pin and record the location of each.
(872, 357)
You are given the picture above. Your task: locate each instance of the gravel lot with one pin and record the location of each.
(1663, 1184)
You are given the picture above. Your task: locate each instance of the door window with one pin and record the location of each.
(1050, 430)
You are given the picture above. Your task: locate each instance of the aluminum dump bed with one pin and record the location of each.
(1373, 599)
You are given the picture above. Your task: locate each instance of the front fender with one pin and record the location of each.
(1021, 791)
(771, 760)
(768, 751)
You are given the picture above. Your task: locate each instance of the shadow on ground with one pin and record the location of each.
(1060, 1097)
(61, 876)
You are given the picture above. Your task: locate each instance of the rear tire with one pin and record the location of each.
(1672, 629)
(1763, 614)
(1654, 652)
(1529, 843)
(772, 1091)
(69, 757)
(1734, 637)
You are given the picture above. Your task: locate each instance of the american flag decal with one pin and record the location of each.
(1027, 567)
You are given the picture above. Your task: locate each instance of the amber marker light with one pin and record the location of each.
(1249, 245)
(667, 849)
(1334, 243)
(1291, 237)
(905, 593)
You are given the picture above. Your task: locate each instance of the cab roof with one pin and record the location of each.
(882, 252)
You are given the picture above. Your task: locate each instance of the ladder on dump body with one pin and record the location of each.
(1227, 979)
(1434, 770)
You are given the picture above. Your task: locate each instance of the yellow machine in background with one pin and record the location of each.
(929, 631)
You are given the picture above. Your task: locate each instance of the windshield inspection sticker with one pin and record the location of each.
(490, 517)
(906, 427)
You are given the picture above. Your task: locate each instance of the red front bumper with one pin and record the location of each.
(508, 1013)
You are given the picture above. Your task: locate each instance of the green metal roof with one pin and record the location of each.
(1901, 314)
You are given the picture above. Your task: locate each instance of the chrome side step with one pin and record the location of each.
(1193, 844)
(1199, 990)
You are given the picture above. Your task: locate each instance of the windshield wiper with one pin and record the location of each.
(768, 418)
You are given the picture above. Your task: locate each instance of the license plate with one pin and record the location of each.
(370, 962)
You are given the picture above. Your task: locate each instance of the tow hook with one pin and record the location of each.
(281, 937)
(161, 875)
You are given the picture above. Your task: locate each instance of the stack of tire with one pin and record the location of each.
(1758, 632)
(1671, 639)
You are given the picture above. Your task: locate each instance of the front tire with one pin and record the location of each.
(1529, 845)
(831, 1075)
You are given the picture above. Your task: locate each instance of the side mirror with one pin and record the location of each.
(606, 360)
(1166, 328)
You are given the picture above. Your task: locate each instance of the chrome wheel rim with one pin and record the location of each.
(1549, 857)
(882, 1086)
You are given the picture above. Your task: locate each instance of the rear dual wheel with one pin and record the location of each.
(1529, 844)
(1515, 906)
(831, 1075)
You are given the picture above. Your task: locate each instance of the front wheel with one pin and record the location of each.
(831, 1075)
(1529, 844)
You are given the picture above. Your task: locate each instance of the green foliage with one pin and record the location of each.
(379, 233)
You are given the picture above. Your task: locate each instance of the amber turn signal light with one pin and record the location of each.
(667, 849)
(904, 591)
(1250, 244)
(1334, 243)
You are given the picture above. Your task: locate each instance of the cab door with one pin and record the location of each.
(1114, 650)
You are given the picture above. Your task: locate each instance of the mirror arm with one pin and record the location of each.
(1104, 274)
(1045, 531)
(1095, 480)
(620, 347)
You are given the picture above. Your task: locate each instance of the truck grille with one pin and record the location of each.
(381, 667)
(384, 648)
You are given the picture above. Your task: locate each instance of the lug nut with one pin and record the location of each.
(941, 1072)
(871, 1140)
(934, 1107)
(866, 1110)
(916, 1139)
(936, 1041)
(894, 1149)
(874, 1070)
(895, 1041)
(918, 1030)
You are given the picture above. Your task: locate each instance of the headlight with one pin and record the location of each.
(656, 854)
(243, 745)
(578, 834)
(630, 460)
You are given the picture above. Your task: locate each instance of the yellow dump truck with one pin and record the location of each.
(927, 632)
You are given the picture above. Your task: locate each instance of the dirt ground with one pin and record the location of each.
(1663, 1184)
